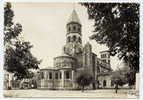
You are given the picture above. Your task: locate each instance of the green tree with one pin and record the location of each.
(83, 80)
(117, 26)
(18, 57)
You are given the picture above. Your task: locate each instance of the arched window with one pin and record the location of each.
(104, 83)
(67, 75)
(68, 39)
(109, 61)
(98, 84)
(79, 39)
(50, 75)
(69, 29)
(104, 61)
(74, 38)
(74, 28)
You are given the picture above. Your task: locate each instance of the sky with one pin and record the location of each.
(44, 25)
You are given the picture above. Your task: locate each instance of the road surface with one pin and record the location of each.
(103, 93)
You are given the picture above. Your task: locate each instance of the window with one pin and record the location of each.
(56, 75)
(104, 61)
(108, 56)
(69, 28)
(79, 39)
(74, 28)
(67, 75)
(104, 83)
(98, 84)
(50, 75)
(103, 56)
(68, 39)
(109, 61)
(74, 38)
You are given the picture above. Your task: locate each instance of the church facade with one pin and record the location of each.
(74, 60)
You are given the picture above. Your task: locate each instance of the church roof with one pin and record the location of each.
(74, 17)
(88, 43)
(64, 55)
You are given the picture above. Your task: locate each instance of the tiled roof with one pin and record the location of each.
(74, 18)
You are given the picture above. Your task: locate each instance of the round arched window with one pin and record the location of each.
(74, 28)
(67, 75)
(68, 39)
(79, 39)
(74, 38)
(104, 83)
(69, 29)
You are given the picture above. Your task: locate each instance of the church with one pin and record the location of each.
(74, 60)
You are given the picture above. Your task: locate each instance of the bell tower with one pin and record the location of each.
(73, 36)
(74, 29)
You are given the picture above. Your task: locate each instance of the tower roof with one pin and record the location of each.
(88, 44)
(74, 17)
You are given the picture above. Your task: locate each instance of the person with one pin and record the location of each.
(116, 87)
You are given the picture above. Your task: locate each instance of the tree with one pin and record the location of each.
(118, 78)
(18, 57)
(123, 76)
(11, 30)
(117, 26)
(130, 77)
(83, 80)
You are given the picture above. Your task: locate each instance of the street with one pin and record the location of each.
(103, 93)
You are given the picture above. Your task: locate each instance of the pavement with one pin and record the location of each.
(102, 93)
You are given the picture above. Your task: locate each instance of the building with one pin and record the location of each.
(74, 60)
(8, 77)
